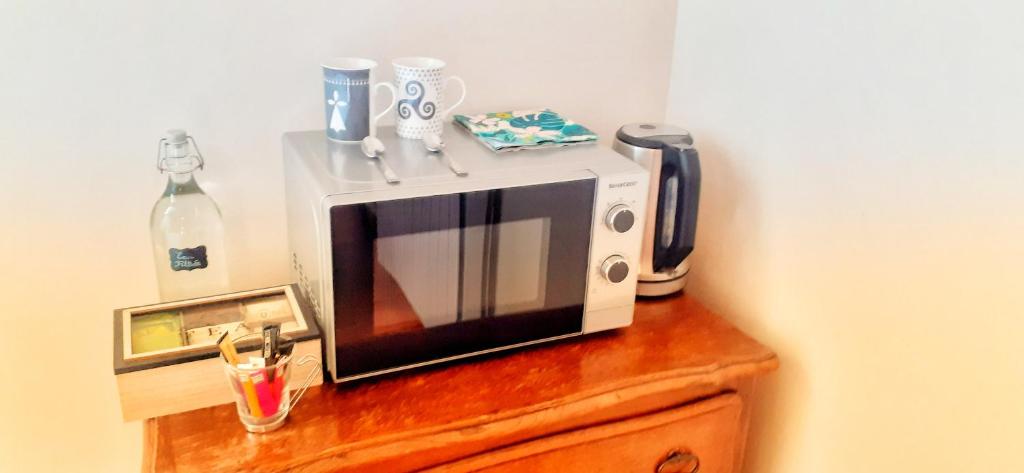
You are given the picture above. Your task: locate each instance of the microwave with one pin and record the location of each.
(529, 247)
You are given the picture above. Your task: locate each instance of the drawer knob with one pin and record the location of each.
(679, 463)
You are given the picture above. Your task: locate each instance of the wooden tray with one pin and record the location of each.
(184, 373)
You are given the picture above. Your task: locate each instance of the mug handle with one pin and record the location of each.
(458, 102)
(394, 100)
(309, 378)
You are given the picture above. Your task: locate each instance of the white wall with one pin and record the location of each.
(863, 214)
(86, 90)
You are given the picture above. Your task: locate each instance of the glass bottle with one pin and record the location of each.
(186, 226)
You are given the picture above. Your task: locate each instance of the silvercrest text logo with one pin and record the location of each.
(616, 185)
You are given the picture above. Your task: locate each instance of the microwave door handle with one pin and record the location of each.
(674, 240)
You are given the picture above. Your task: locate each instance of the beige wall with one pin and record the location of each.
(863, 214)
(86, 89)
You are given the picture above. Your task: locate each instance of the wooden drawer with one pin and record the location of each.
(710, 429)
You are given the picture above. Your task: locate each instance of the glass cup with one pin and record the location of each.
(262, 396)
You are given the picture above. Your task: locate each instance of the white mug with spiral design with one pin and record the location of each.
(421, 86)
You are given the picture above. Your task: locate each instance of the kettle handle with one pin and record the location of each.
(683, 163)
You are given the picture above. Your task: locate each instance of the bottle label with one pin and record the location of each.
(189, 258)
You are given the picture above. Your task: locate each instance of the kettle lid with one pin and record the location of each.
(653, 135)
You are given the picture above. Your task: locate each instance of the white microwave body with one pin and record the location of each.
(531, 246)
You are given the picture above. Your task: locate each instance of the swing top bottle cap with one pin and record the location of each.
(176, 136)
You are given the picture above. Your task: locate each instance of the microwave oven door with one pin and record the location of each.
(422, 279)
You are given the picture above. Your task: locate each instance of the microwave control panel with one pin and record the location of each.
(620, 207)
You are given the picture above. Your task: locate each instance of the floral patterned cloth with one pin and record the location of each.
(521, 129)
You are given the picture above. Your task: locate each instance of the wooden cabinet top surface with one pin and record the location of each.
(675, 349)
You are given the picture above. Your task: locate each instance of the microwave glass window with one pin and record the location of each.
(421, 280)
(521, 267)
(432, 277)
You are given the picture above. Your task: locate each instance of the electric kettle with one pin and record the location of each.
(667, 152)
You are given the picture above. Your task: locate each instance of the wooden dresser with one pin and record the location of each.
(671, 393)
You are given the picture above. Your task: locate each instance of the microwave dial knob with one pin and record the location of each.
(620, 218)
(615, 269)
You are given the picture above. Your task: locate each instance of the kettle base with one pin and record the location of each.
(660, 288)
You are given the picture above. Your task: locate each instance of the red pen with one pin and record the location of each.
(263, 393)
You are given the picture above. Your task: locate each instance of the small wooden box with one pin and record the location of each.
(165, 355)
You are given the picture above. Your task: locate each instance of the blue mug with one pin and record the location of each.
(348, 101)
